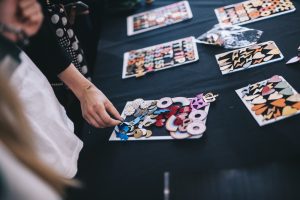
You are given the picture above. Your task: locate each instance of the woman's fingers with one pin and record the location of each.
(106, 118)
(92, 121)
(112, 110)
(29, 10)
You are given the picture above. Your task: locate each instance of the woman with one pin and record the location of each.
(20, 168)
(53, 133)
(57, 52)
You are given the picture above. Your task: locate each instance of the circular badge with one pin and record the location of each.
(164, 102)
(196, 128)
(129, 110)
(198, 115)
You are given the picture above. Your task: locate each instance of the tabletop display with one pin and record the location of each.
(181, 118)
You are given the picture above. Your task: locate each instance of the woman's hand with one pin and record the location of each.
(24, 15)
(31, 16)
(96, 108)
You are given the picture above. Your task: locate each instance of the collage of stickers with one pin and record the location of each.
(159, 17)
(139, 62)
(251, 11)
(253, 56)
(169, 118)
(270, 100)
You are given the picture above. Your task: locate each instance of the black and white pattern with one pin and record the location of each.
(67, 37)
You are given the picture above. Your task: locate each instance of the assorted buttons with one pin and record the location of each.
(180, 116)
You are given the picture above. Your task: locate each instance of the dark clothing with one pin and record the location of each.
(53, 49)
(47, 54)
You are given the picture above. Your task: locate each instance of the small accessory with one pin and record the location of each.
(196, 128)
(164, 102)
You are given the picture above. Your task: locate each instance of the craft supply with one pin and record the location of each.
(139, 62)
(230, 37)
(248, 57)
(275, 99)
(198, 115)
(159, 17)
(253, 10)
(196, 128)
(174, 115)
(164, 102)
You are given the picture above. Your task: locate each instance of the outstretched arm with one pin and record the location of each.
(97, 110)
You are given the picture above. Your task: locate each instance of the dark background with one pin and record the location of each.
(236, 159)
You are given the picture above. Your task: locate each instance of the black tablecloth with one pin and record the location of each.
(236, 159)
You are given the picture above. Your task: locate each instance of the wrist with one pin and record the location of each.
(75, 81)
(84, 90)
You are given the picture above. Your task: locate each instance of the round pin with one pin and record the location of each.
(129, 110)
(196, 128)
(138, 133)
(164, 102)
(198, 115)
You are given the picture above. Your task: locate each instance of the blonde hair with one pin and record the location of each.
(15, 134)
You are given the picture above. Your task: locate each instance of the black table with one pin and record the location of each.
(236, 159)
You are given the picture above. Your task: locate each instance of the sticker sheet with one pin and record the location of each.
(253, 10)
(164, 119)
(159, 17)
(253, 56)
(270, 100)
(139, 62)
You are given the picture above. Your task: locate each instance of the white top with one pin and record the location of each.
(53, 131)
(21, 183)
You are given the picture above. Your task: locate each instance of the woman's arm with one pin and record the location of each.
(95, 106)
